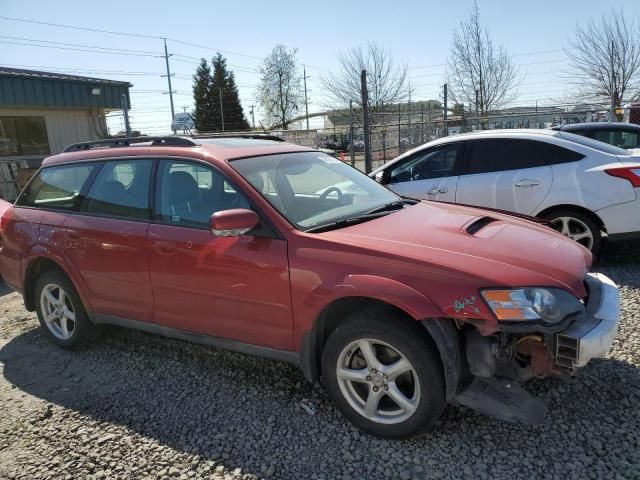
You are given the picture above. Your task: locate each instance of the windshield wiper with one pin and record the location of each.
(379, 211)
(397, 205)
(345, 222)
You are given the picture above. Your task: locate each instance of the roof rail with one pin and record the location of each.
(255, 136)
(169, 141)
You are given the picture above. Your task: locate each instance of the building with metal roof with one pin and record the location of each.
(43, 112)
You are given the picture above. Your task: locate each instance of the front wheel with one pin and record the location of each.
(578, 227)
(384, 374)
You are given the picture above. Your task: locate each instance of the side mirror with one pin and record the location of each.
(380, 177)
(232, 223)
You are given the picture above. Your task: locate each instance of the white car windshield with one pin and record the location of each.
(595, 144)
(312, 189)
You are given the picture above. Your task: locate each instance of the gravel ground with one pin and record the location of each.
(140, 406)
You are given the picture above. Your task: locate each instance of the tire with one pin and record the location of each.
(574, 225)
(390, 339)
(68, 324)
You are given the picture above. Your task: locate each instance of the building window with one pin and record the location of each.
(23, 136)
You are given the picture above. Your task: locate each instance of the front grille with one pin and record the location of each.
(567, 351)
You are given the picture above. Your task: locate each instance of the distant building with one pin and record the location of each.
(41, 113)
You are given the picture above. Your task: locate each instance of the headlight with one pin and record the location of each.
(551, 305)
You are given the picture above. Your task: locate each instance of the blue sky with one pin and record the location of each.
(416, 32)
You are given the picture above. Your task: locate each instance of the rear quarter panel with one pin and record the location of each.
(20, 233)
(585, 184)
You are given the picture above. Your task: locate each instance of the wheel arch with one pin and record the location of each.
(441, 331)
(567, 206)
(38, 265)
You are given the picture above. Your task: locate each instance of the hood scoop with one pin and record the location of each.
(478, 224)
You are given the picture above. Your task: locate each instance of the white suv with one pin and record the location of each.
(585, 188)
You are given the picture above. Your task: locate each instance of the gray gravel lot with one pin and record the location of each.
(140, 406)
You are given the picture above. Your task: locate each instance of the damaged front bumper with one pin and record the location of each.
(495, 392)
(592, 335)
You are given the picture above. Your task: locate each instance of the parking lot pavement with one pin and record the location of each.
(140, 406)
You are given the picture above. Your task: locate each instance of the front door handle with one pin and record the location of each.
(527, 183)
(164, 248)
(436, 190)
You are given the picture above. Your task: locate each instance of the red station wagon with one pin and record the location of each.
(250, 244)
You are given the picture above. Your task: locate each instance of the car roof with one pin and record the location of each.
(522, 133)
(594, 126)
(212, 149)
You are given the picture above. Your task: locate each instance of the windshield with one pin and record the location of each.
(595, 144)
(312, 189)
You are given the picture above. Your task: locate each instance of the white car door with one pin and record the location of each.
(506, 173)
(429, 174)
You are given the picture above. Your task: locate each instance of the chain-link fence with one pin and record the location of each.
(392, 134)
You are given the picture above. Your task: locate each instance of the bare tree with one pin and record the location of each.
(386, 79)
(605, 56)
(280, 89)
(476, 65)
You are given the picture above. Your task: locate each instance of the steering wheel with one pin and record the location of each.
(330, 190)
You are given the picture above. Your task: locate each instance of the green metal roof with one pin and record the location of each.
(30, 88)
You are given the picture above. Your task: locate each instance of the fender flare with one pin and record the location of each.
(447, 340)
(415, 304)
(40, 251)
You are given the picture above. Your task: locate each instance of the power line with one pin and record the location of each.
(59, 25)
(81, 70)
(77, 49)
(79, 45)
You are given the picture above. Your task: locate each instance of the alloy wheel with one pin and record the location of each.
(58, 311)
(575, 229)
(378, 381)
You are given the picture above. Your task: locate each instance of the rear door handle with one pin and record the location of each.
(73, 236)
(527, 183)
(436, 190)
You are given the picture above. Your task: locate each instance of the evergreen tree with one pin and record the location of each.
(223, 85)
(202, 114)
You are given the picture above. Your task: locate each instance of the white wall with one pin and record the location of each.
(64, 126)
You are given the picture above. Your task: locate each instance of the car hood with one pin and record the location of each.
(498, 248)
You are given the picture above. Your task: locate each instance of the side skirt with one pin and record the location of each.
(217, 342)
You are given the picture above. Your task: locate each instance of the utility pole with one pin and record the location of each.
(365, 121)
(409, 113)
(351, 149)
(221, 110)
(477, 115)
(168, 75)
(613, 92)
(125, 111)
(253, 119)
(334, 124)
(445, 129)
(399, 149)
(306, 101)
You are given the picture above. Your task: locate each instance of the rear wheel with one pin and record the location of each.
(578, 227)
(384, 374)
(61, 312)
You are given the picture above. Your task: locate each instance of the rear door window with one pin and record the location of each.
(121, 189)
(500, 154)
(57, 187)
(554, 154)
